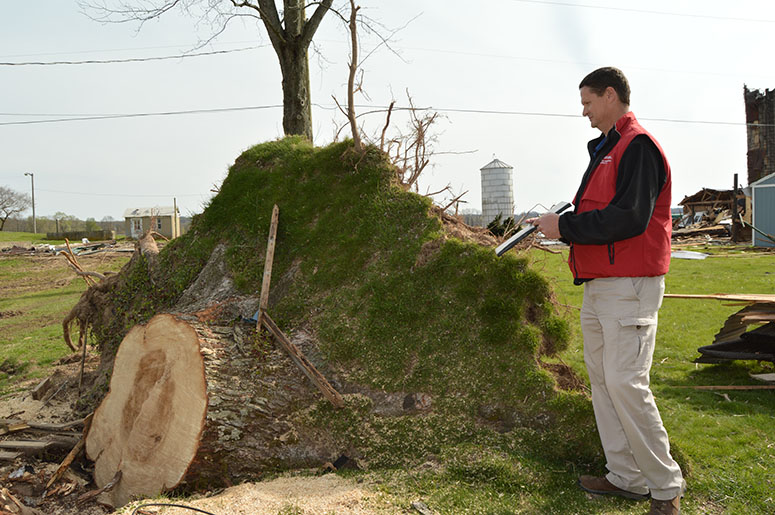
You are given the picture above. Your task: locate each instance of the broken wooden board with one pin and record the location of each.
(12, 428)
(737, 324)
(42, 388)
(757, 309)
(9, 455)
(741, 297)
(269, 260)
(39, 426)
(26, 446)
(303, 363)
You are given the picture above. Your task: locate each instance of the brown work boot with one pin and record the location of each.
(668, 507)
(601, 486)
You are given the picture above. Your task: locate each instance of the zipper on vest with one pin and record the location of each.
(611, 253)
(573, 262)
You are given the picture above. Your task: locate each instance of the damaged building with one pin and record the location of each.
(760, 122)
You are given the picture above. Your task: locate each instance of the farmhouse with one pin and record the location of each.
(165, 220)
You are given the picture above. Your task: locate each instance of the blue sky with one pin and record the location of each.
(687, 62)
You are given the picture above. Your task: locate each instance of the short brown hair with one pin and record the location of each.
(600, 79)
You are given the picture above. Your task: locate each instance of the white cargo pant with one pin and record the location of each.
(619, 322)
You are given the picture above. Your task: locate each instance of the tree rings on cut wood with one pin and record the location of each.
(150, 423)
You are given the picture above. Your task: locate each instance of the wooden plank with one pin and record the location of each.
(303, 363)
(744, 297)
(9, 455)
(13, 428)
(759, 317)
(26, 445)
(731, 387)
(52, 428)
(42, 388)
(264, 302)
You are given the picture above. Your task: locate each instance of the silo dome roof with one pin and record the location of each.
(495, 163)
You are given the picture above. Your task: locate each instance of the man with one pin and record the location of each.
(619, 235)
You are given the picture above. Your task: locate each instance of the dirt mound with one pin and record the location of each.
(407, 313)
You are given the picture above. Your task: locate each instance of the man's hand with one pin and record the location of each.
(548, 224)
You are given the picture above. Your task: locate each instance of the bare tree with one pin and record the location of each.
(289, 31)
(11, 203)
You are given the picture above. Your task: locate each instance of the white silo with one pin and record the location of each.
(497, 191)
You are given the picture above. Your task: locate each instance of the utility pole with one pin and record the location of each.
(34, 222)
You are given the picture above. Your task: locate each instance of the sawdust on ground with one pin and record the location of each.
(316, 495)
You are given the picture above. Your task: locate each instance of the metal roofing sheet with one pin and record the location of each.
(136, 212)
(495, 163)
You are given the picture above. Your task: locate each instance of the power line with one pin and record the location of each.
(130, 59)
(376, 109)
(156, 47)
(141, 115)
(123, 194)
(421, 49)
(645, 11)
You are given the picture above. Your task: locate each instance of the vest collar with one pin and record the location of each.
(625, 121)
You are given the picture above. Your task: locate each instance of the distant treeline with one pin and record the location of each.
(62, 222)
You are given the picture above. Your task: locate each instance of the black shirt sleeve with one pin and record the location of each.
(640, 179)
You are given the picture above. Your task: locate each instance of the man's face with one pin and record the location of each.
(597, 108)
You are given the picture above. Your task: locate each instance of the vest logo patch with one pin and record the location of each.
(607, 160)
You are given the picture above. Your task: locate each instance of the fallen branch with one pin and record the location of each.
(453, 201)
(71, 455)
(83, 273)
(94, 493)
(71, 257)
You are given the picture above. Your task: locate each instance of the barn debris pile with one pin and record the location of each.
(83, 249)
(734, 340)
(715, 216)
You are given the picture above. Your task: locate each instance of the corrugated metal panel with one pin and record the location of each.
(763, 213)
(149, 211)
(765, 181)
(496, 163)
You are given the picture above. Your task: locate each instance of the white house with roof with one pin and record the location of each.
(165, 220)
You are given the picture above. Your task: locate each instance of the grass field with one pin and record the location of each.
(18, 237)
(725, 441)
(35, 295)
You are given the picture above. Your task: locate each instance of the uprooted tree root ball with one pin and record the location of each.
(432, 340)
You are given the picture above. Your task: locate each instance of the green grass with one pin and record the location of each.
(30, 237)
(20, 236)
(728, 446)
(37, 293)
(458, 324)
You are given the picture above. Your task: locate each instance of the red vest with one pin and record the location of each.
(645, 255)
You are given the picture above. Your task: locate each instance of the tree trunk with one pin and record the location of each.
(150, 422)
(297, 111)
(197, 405)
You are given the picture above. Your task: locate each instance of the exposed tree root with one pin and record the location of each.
(95, 307)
